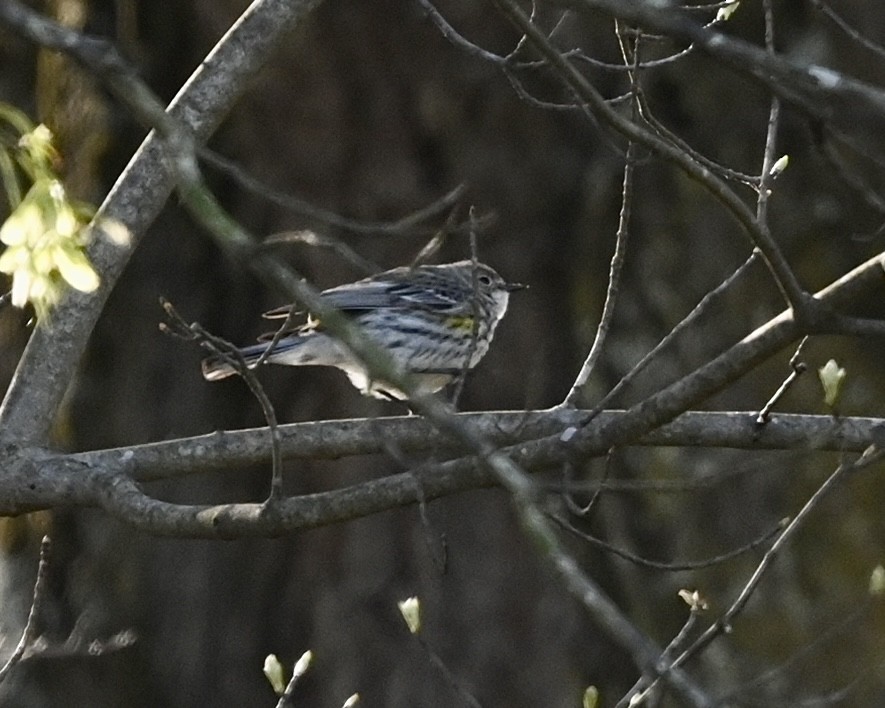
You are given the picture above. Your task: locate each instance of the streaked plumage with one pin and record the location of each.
(430, 318)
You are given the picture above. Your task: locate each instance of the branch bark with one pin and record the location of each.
(336, 439)
(110, 479)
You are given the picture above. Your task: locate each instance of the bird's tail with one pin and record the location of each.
(298, 350)
(217, 367)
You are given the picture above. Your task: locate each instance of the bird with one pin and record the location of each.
(436, 321)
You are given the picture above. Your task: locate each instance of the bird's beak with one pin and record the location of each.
(510, 287)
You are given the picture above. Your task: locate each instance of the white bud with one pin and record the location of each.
(832, 376)
(694, 600)
(273, 670)
(410, 609)
(779, 166)
(727, 11)
(302, 664)
(877, 581)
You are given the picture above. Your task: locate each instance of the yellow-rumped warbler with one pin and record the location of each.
(430, 318)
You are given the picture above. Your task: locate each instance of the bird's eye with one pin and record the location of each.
(484, 280)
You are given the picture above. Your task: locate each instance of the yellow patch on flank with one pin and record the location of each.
(461, 322)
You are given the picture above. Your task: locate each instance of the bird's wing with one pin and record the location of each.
(380, 294)
(368, 295)
(352, 297)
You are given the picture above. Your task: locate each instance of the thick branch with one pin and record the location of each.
(335, 439)
(107, 478)
(715, 375)
(37, 479)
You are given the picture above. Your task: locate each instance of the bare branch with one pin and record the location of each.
(662, 565)
(723, 624)
(343, 438)
(797, 368)
(411, 225)
(196, 333)
(587, 94)
(848, 29)
(727, 367)
(620, 253)
(766, 178)
(107, 478)
(821, 91)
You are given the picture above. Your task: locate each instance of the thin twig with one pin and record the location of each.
(465, 696)
(601, 486)
(703, 305)
(311, 238)
(797, 368)
(29, 633)
(768, 156)
(217, 346)
(298, 670)
(666, 134)
(409, 225)
(283, 330)
(644, 486)
(765, 180)
(618, 257)
(848, 29)
(580, 56)
(795, 295)
(723, 624)
(662, 565)
(696, 607)
(475, 313)
(456, 37)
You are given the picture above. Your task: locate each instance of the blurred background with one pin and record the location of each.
(369, 112)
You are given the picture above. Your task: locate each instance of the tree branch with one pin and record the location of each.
(822, 91)
(336, 439)
(108, 478)
(55, 347)
(587, 94)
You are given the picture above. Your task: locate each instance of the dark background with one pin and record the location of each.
(368, 111)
